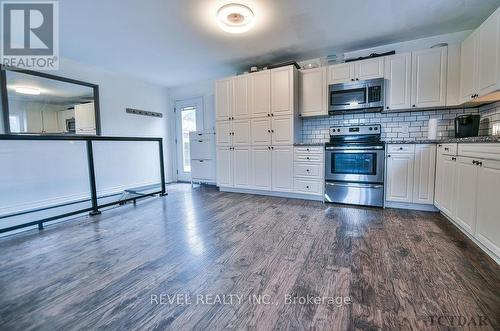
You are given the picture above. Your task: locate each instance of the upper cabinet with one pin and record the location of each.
(241, 97)
(398, 81)
(282, 91)
(223, 99)
(480, 62)
(313, 92)
(260, 93)
(356, 70)
(429, 77)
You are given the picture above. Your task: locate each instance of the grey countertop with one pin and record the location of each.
(308, 144)
(482, 139)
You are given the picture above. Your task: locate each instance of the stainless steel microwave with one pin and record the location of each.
(363, 95)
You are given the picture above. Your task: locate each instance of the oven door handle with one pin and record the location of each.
(329, 148)
(355, 185)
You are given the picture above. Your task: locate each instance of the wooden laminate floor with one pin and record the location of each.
(186, 260)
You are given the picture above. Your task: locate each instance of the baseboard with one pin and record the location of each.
(410, 206)
(471, 237)
(273, 193)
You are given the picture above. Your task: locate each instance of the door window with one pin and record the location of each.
(188, 124)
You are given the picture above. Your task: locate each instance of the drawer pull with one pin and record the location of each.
(307, 186)
(308, 158)
(400, 148)
(307, 170)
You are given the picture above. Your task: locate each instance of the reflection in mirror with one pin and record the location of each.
(49, 106)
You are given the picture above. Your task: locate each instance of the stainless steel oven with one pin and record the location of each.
(366, 95)
(354, 166)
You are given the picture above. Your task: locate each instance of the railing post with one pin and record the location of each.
(93, 189)
(162, 168)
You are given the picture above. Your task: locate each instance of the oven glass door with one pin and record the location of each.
(355, 165)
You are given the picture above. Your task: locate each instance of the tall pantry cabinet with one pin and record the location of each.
(256, 118)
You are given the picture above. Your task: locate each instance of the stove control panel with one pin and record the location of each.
(373, 129)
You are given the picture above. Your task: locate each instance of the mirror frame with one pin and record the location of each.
(5, 101)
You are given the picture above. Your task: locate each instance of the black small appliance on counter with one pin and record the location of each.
(467, 126)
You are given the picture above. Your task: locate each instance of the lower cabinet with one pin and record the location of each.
(399, 178)
(225, 166)
(282, 168)
(261, 168)
(465, 189)
(241, 167)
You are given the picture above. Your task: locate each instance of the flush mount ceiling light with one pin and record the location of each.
(235, 18)
(27, 90)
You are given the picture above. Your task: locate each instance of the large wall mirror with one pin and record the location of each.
(39, 103)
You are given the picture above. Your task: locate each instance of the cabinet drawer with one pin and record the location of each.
(401, 149)
(447, 149)
(489, 151)
(196, 135)
(308, 170)
(201, 149)
(305, 186)
(203, 169)
(306, 150)
(308, 158)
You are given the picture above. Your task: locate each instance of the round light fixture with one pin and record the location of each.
(235, 18)
(27, 90)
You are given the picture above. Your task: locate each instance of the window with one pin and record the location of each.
(188, 123)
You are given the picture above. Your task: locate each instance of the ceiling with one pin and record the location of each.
(176, 42)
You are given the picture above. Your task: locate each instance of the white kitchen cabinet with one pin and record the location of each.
(340, 73)
(488, 207)
(488, 55)
(356, 70)
(261, 168)
(465, 191)
(241, 97)
(261, 131)
(223, 99)
(429, 77)
(398, 81)
(282, 130)
(34, 122)
(453, 76)
(282, 168)
(85, 118)
(50, 122)
(282, 91)
(224, 133)
(241, 132)
(446, 184)
(313, 92)
(225, 167)
(424, 174)
(468, 67)
(241, 167)
(400, 178)
(260, 93)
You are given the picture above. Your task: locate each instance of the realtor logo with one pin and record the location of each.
(30, 35)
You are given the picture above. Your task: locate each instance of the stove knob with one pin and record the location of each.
(371, 129)
(376, 128)
(338, 130)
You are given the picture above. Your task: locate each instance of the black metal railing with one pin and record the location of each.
(128, 195)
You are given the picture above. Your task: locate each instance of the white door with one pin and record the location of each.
(447, 185)
(488, 55)
(241, 132)
(468, 67)
(488, 208)
(261, 131)
(425, 170)
(224, 133)
(398, 78)
(282, 91)
(282, 168)
(223, 99)
(224, 167)
(241, 97)
(261, 168)
(340, 73)
(189, 117)
(429, 77)
(282, 130)
(465, 193)
(260, 93)
(400, 177)
(313, 89)
(369, 69)
(241, 167)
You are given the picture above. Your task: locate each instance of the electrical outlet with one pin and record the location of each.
(496, 129)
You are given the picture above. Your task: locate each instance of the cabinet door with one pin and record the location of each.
(398, 78)
(241, 167)
(447, 185)
(369, 69)
(85, 117)
(261, 168)
(261, 131)
(282, 168)
(223, 133)
(223, 99)
(400, 177)
(241, 132)
(424, 174)
(341, 73)
(488, 55)
(488, 208)
(241, 97)
(50, 123)
(260, 93)
(465, 193)
(439, 177)
(468, 68)
(282, 91)
(429, 77)
(224, 167)
(282, 130)
(313, 92)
